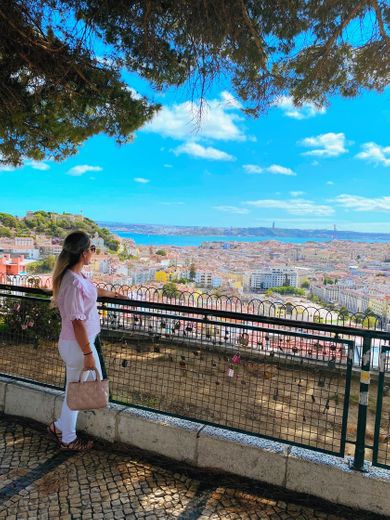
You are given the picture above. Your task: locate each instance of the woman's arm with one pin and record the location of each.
(110, 294)
(84, 344)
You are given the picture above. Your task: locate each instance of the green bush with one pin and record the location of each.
(46, 265)
(285, 289)
(170, 290)
(30, 320)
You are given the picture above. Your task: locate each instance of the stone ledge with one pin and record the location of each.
(169, 436)
(333, 479)
(297, 469)
(243, 455)
(29, 400)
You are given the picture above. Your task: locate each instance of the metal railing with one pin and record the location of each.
(269, 307)
(381, 450)
(273, 377)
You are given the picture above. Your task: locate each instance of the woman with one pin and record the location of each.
(75, 297)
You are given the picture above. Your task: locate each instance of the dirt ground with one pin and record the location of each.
(274, 397)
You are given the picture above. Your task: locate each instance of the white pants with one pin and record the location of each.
(73, 358)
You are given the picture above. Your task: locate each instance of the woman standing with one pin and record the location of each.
(75, 297)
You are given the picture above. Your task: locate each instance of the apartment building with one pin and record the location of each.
(11, 266)
(273, 277)
(355, 300)
(50, 249)
(24, 242)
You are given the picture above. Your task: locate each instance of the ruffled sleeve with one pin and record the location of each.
(73, 303)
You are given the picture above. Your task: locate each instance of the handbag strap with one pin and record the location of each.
(98, 378)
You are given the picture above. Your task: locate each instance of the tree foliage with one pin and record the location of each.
(192, 272)
(170, 290)
(46, 265)
(285, 289)
(62, 61)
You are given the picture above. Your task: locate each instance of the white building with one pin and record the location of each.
(274, 277)
(52, 249)
(355, 300)
(328, 293)
(141, 276)
(98, 242)
(205, 278)
(104, 266)
(24, 242)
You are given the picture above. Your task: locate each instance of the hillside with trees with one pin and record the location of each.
(55, 225)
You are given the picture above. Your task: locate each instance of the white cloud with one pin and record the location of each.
(252, 168)
(230, 100)
(232, 209)
(375, 153)
(76, 171)
(304, 111)
(296, 193)
(274, 168)
(134, 93)
(166, 165)
(218, 120)
(141, 180)
(7, 168)
(357, 203)
(330, 183)
(203, 152)
(38, 165)
(294, 206)
(325, 145)
(280, 170)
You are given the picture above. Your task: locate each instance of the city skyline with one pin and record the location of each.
(308, 167)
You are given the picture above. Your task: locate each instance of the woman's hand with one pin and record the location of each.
(103, 293)
(120, 296)
(89, 362)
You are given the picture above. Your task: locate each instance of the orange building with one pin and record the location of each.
(11, 266)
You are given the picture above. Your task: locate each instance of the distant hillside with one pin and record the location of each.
(56, 225)
(156, 229)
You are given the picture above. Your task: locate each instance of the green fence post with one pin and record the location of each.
(98, 346)
(358, 462)
(379, 404)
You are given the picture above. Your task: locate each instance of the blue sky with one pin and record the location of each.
(297, 167)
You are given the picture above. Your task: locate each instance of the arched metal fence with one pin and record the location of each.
(260, 372)
(255, 306)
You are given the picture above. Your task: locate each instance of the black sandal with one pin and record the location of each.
(77, 445)
(54, 432)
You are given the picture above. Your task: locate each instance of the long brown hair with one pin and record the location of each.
(74, 245)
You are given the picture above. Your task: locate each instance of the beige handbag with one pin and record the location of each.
(88, 395)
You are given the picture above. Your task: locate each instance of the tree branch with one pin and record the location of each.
(381, 24)
(343, 25)
(255, 36)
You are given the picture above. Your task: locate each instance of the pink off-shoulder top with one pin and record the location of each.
(77, 301)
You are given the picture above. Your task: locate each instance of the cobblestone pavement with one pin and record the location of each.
(39, 481)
